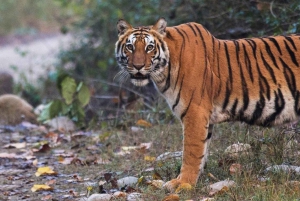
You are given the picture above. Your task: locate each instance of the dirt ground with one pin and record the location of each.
(32, 57)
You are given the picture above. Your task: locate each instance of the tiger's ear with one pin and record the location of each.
(160, 26)
(122, 27)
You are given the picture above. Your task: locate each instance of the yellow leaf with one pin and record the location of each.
(143, 123)
(149, 158)
(45, 171)
(39, 187)
(89, 188)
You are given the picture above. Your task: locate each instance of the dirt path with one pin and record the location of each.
(34, 58)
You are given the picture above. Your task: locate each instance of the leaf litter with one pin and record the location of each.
(38, 164)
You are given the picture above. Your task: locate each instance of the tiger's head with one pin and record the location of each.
(142, 53)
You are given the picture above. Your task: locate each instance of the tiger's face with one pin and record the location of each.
(142, 53)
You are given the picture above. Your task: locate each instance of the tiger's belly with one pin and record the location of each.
(272, 112)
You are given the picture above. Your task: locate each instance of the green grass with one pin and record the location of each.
(268, 146)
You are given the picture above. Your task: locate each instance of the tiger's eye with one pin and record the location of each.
(150, 47)
(129, 47)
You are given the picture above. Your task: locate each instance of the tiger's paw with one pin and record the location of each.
(177, 186)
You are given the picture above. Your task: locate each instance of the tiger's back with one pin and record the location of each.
(207, 81)
(260, 80)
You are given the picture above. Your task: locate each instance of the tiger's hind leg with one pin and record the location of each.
(195, 145)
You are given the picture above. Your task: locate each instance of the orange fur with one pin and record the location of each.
(207, 81)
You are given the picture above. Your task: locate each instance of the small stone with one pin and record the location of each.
(127, 181)
(99, 197)
(238, 150)
(135, 197)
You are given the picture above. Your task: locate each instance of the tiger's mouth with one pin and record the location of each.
(139, 76)
(139, 79)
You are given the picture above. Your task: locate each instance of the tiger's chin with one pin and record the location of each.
(139, 79)
(140, 82)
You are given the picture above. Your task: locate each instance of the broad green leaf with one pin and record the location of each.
(45, 114)
(51, 110)
(55, 108)
(68, 88)
(60, 78)
(84, 94)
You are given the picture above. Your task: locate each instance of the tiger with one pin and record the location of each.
(206, 81)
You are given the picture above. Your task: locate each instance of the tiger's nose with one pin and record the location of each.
(138, 66)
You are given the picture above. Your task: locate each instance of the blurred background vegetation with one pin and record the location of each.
(93, 24)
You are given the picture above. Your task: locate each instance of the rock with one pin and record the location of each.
(127, 181)
(238, 150)
(284, 168)
(62, 124)
(169, 155)
(99, 197)
(14, 110)
(220, 187)
(119, 194)
(6, 83)
(135, 197)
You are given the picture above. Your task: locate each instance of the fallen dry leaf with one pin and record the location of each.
(47, 197)
(149, 158)
(45, 171)
(40, 187)
(26, 156)
(11, 171)
(157, 184)
(143, 123)
(15, 145)
(42, 147)
(66, 161)
(51, 182)
(172, 197)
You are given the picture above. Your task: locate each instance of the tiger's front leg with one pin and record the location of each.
(197, 133)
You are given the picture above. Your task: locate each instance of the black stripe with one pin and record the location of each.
(181, 53)
(205, 62)
(228, 63)
(248, 63)
(227, 95)
(169, 36)
(291, 53)
(187, 36)
(244, 83)
(258, 109)
(253, 46)
(274, 41)
(263, 83)
(168, 80)
(290, 78)
(297, 103)
(192, 28)
(162, 44)
(268, 67)
(288, 38)
(188, 106)
(279, 105)
(270, 53)
(178, 95)
(234, 106)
